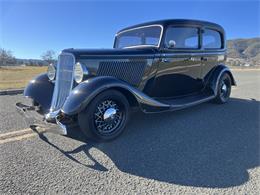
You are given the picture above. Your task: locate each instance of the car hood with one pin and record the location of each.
(108, 53)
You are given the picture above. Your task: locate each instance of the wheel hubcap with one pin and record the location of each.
(107, 116)
(224, 87)
(224, 90)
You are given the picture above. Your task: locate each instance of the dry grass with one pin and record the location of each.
(17, 76)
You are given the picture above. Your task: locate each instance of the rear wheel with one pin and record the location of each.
(105, 117)
(224, 89)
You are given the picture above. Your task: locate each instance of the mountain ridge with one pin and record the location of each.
(244, 51)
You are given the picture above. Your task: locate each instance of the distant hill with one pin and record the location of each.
(245, 50)
(25, 62)
(31, 62)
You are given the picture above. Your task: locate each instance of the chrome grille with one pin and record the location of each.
(64, 80)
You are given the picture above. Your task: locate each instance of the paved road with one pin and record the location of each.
(202, 150)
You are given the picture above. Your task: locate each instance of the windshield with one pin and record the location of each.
(141, 36)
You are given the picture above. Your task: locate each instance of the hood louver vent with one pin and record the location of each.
(129, 71)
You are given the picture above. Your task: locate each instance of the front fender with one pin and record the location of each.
(81, 95)
(40, 89)
(218, 71)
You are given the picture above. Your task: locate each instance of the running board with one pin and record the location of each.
(188, 101)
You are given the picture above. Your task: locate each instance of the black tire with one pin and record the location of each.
(92, 120)
(224, 89)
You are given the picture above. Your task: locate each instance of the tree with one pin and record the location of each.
(49, 56)
(6, 57)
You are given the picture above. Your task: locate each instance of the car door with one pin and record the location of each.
(213, 50)
(179, 70)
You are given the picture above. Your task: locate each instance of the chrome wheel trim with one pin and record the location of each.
(224, 87)
(224, 90)
(107, 117)
(109, 114)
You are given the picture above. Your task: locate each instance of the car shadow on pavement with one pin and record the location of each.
(205, 146)
(69, 154)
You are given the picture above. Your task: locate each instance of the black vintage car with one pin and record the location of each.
(157, 66)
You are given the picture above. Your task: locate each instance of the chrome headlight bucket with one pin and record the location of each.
(80, 71)
(51, 72)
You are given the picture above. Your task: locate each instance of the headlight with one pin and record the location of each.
(79, 72)
(51, 72)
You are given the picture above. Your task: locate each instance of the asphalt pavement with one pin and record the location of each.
(206, 149)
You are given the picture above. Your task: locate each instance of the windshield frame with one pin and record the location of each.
(140, 27)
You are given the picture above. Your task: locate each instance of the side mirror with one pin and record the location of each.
(171, 44)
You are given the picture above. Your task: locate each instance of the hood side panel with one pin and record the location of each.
(134, 66)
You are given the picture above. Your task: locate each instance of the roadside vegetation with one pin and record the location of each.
(12, 77)
(16, 73)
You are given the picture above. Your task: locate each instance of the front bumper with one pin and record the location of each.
(51, 121)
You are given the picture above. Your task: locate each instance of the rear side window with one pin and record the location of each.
(211, 39)
(182, 38)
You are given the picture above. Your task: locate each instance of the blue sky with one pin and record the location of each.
(29, 28)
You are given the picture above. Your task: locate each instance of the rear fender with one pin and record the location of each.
(40, 89)
(81, 95)
(216, 74)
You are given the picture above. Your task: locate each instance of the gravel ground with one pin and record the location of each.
(10, 120)
(207, 149)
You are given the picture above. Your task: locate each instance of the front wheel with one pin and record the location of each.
(105, 117)
(224, 89)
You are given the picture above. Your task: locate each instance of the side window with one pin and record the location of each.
(151, 40)
(211, 39)
(182, 38)
(129, 40)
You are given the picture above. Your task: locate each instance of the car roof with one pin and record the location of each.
(167, 22)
